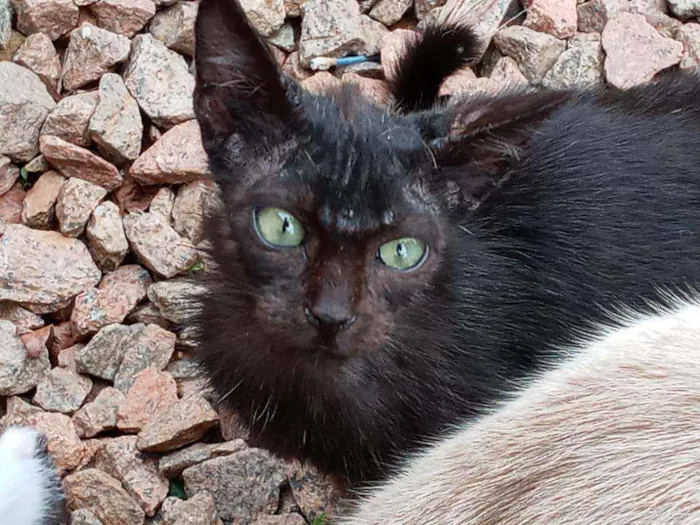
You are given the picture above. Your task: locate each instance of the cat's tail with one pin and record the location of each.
(445, 46)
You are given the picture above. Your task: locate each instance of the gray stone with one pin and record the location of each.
(76, 162)
(151, 393)
(684, 9)
(38, 164)
(335, 28)
(83, 517)
(6, 13)
(98, 415)
(313, 492)
(580, 66)
(689, 36)
(76, 202)
(62, 390)
(162, 204)
(422, 8)
(33, 267)
(106, 237)
(157, 245)
(125, 17)
(174, 26)
(38, 54)
(40, 201)
(198, 510)
(148, 346)
(594, 14)
(24, 105)
(92, 52)
(173, 464)
(147, 313)
(177, 157)
(388, 12)
(284, 38)
(193, 202)
(18, 372)
(116, 125)
(64, 446)
(138, 473)
(159, 80)
(52, 17)
(267, 16)
(118, 293)
(24, 320)
(70, 119)
(555, 17)
(176, 298)
(534, 52)
(245, 485)
(102, 356)
(104, 496)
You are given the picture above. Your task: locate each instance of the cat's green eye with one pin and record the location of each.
(279, 228)
(403, 254)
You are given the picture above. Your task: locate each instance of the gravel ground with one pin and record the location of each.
(103, 186)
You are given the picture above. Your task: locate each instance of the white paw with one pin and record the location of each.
(30, 492)
(20, 443)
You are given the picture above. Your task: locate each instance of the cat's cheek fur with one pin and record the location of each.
(610, 436)
(30, 490)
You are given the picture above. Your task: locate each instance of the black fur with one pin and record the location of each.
(58, 511)
(237, 78)
(429, 60)
(541, 211)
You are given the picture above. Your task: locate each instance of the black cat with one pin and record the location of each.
(383, 275)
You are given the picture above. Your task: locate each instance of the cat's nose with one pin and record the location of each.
(329, 319)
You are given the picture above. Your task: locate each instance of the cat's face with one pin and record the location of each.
(335, 225)
(333, 231)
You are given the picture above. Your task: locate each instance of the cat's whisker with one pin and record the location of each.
(227, 394)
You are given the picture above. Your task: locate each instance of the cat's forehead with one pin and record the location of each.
(364, 171)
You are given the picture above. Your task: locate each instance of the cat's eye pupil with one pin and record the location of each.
(401, 250)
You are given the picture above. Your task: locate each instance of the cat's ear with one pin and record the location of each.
(482, 137)
(239, 89)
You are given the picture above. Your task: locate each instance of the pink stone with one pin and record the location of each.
(152, 392)
(556, 17)
(635, 51)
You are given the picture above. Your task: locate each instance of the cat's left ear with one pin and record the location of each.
(478, 139)
(238, 88)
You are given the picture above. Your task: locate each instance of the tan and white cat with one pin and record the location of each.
(30, 492)
(609, 436)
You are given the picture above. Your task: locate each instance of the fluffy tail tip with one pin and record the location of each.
(427, 61)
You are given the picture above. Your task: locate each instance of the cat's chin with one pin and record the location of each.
(316, 350)
(335, 350)
(305, 343)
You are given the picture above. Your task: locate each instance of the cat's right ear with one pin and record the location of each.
(238, 83)
(477, 140)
